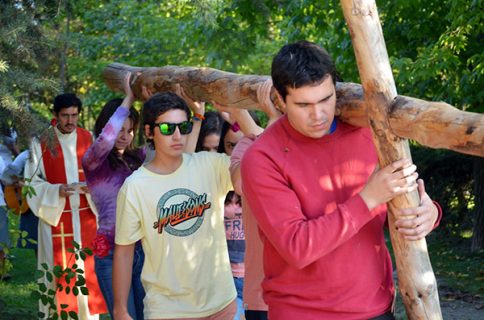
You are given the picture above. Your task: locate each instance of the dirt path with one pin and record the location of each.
(460, 306)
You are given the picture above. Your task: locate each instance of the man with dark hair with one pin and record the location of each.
(64, 208)
(319, 200)
(67, 108)
(174, 205)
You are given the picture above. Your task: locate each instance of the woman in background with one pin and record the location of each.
(107, 163)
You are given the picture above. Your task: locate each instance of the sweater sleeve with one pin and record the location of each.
(100, 149)
(298, 239)
(236, 159)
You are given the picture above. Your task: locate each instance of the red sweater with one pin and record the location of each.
(324, 252)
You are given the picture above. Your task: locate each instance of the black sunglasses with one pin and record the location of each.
(168, 128)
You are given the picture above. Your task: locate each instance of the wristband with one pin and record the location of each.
(198, 117)
(235, 127)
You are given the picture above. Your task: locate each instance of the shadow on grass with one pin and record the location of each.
(15, 299)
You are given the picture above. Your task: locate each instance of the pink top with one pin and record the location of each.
(254, 272)
(324, 252)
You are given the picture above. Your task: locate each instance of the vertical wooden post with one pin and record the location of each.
(417, 282)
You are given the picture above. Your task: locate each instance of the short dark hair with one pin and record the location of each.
(67, 100)
(131, 154)
(299, 64)
(160, 103)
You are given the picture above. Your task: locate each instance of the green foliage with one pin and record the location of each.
(73, 277)
(448, 179)
(436, 50)
(15, 235)
(26, 54)
(15, 299)
(454, 262)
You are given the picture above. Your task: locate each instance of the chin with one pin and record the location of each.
(316, 135)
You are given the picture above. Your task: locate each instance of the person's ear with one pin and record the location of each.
(148, 132)
(280, 103)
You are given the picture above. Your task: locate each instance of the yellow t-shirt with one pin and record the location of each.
(179, 219)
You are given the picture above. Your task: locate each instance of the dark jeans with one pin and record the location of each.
(239, 286)
(386, 316)
(4, 234)
(255, 315)
(104, 273)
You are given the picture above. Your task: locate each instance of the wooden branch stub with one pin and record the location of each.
(463, 131)
(438, 125)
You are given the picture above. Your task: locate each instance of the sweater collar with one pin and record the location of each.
(293, 133)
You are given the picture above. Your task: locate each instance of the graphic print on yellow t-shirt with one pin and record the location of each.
(181, 212)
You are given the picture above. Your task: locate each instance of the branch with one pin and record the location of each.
(433, 124)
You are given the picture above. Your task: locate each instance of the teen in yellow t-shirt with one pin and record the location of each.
(174, 205)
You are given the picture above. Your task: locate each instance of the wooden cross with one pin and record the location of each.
(63, 235)
(392, 119)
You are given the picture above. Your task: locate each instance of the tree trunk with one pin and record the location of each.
(433, 124)
(63, 62)
(416, 279)
(478, 229)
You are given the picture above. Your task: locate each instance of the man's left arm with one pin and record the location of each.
(416, 223)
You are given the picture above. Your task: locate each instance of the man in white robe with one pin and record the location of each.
(64, 208)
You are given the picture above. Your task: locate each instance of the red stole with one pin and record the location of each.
(63, 233)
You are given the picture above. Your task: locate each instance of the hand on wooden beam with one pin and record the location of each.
(265, 101)
(415, 223)
(128, 93)
(393, 180)
(197, 107)
(433, 124)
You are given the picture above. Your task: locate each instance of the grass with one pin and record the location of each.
(451, 260)
(15, 299)
(15, 294)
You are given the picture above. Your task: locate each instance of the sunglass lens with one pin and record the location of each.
(185, 127)
(167, 128)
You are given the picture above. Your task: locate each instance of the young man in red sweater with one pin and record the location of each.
(320, 202)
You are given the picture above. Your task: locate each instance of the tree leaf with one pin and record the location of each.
(35, 295)
(73, 315)
(84, 291)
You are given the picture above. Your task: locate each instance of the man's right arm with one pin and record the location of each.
(122, 267)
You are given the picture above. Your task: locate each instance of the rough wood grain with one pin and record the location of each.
(409, 118)
(417, 283)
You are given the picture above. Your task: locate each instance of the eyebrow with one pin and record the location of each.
(323, 99)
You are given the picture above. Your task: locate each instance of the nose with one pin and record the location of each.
(176, 134)
(317, 112)
(124, 135)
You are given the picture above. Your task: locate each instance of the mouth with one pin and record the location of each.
(320, 125)
(177, 146)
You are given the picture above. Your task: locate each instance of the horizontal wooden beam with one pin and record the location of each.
(432, 124)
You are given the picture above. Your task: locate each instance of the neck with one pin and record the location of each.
(164, 164)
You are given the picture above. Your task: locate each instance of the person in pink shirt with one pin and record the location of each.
(254, 305)
(314, 187)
